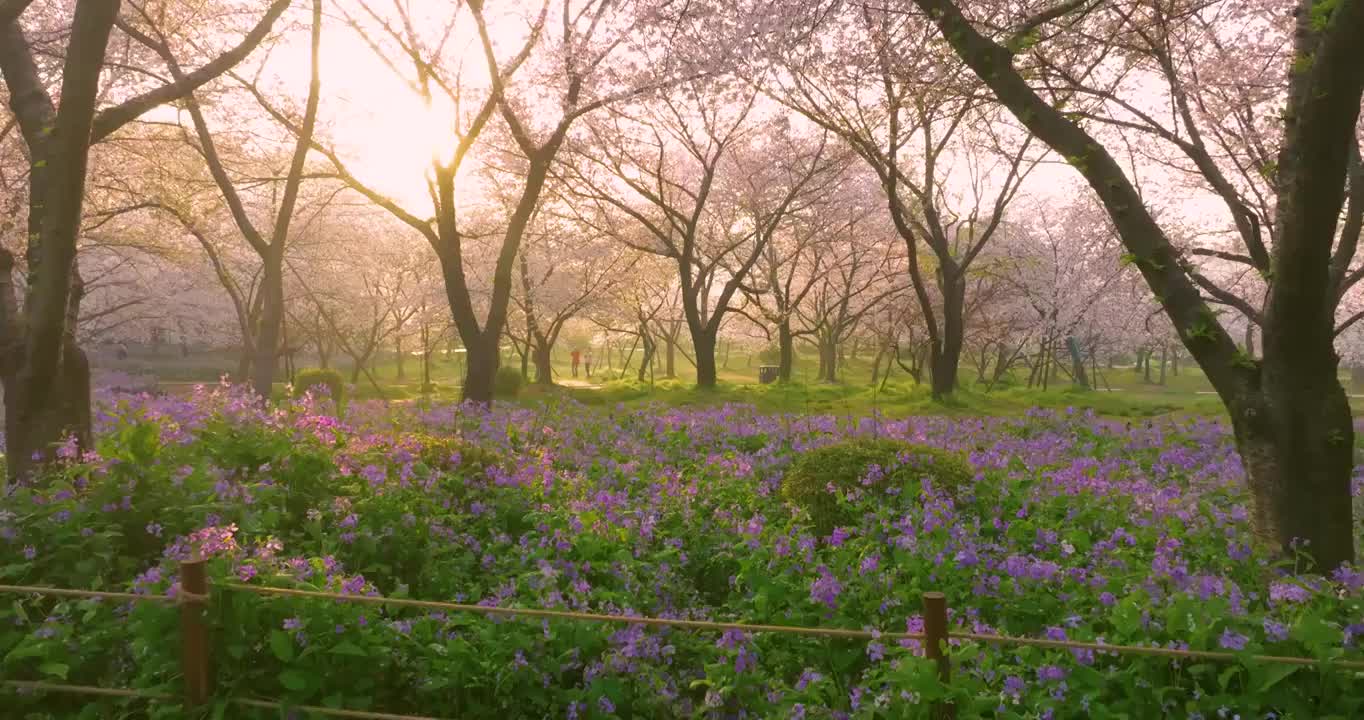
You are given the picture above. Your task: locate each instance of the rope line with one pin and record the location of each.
(798, 630)
(99, 594)
(87, 690)
(151, 695)
(593, 617)
(333, 712)
(187, 597)
(1157, 651)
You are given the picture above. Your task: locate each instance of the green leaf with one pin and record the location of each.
(293, 680)
(1274, 674)
(54, 669)
(282, 645)
(347, 647)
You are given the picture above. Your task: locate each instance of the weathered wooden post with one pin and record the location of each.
(194, 658)
(935, 645)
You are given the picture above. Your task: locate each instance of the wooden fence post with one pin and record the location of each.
(194, 658)
(935, 645)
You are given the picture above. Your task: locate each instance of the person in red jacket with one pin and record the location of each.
(576, 357)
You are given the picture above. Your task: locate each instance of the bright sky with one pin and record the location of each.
(381, 128)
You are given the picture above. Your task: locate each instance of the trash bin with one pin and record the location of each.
(767, 374)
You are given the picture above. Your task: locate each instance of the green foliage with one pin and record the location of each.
(867, 465)
(324, 379)
(507, 382)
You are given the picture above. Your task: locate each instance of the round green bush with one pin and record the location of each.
(507, 382)
(326, 378)
(844, 465)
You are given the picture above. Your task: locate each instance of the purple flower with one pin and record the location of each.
(153, 529)
(1353, 631)
(1232, 640)
(1275, 631)
(807, 678)
(374, 474)
(293, 623)
(839, 536)
(825, 588)
(1013, 686)
(606, 705)
(246, 572)
(876, 651)
(29, 552)
(869, 564)
(1288, 592)
(1050, 673)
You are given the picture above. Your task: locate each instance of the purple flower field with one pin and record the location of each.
(1074, 527)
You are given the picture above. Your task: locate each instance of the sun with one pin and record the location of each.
(387, 134)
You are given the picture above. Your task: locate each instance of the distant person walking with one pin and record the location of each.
(587, 362)
(576, 357)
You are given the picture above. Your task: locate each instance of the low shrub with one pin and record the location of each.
(507, 383)
(848, 466)
(324, 378)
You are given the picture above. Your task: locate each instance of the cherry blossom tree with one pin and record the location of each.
(1289, 412)
(44, 372)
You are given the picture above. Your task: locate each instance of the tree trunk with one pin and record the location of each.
(544, 369)
(1147, 367)
(399, 341)
(876, 364)
(670, 356)
(647, 361)
(1357, 379)
(267, 333)
(1164, 349)
(1250, 340)
(1001, 362)
(828, 360)
(1077, 363)
(481, 358)
(704, 344)
(33, 430)
(1174, 361)
(947, 352)
(1297, 445)
(244, 363)
(786, 351)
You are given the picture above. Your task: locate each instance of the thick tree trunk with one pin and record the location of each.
(1164, 350)
(670, 356)
(268, 331)
(482, 358)
(244, 363)
(947, 352)
(33, 430)
(1250, 340)
(544, 367)
(828, 360)
(1298, 450)
(786, 351)
(704, 344)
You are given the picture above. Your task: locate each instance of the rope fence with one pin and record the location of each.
(194, 597)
